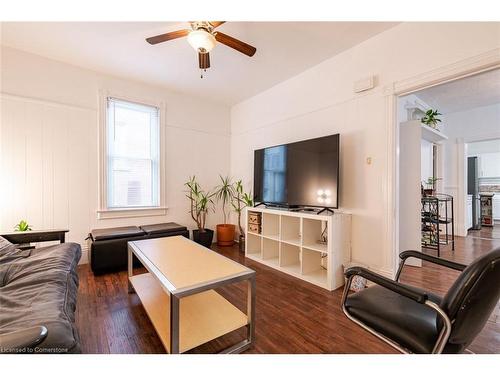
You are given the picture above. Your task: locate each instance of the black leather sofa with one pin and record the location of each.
(38, 295)
(108, 247)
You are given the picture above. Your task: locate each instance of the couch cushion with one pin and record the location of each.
(6, 246)
(114, 233)
(162, 228)
(4, 243)
(41, 289)
(406, 322)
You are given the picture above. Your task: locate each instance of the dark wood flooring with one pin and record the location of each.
(292, 316)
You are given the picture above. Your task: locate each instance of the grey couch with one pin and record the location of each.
(38, 288)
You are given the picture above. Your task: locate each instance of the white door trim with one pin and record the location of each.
(460, 69)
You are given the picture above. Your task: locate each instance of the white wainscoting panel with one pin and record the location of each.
(45, 156)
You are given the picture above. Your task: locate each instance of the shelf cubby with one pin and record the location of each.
(290, 230)
(312, 269)
(290, 257)
(270, 250)
(311, 232)
(254, 244)
(271, 226)
(311, 261)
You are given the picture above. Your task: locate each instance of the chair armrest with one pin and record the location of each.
(387, 283)
(429, 258)
(24, 338)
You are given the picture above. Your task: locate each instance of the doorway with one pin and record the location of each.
(434, 155)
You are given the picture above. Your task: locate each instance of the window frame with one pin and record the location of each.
(103, 211)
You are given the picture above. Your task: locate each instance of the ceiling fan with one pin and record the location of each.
(203, 38)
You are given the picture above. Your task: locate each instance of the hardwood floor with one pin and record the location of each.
(292, 316)
(487, 232)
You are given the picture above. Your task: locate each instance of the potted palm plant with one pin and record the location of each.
(201, 203)
(224, 193)
(431, 118)
(240, 201)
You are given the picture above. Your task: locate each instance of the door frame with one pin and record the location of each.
(461, 69)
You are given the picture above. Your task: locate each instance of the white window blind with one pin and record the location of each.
(133, 149)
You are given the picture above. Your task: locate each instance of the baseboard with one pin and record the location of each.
(384, 272)
(85, 255)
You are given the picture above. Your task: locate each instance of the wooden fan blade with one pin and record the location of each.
(204, 60)
(216, 23)
(238, 45)
(168, 36)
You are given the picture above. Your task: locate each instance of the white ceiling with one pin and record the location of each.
(464, 94)
(284, 49)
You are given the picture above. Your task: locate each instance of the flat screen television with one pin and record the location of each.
(299, 174)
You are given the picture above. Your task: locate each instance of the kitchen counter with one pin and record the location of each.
(486, 194)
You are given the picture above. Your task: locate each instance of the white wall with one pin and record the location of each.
(320, 101)
(49, 145)
(484, 147)
(426, 160)
(480, 123)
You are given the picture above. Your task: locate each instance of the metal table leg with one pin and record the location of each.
(174, 324)
(251, 309)
(130, 269)
(249, 341)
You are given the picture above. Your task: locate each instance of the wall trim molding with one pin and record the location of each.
(28, 99)
(459, 69)
(131, 212)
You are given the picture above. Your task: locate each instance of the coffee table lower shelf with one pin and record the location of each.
(203, 316)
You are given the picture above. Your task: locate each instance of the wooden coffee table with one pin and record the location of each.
(179, 297)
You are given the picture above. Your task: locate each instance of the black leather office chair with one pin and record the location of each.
(416, 321)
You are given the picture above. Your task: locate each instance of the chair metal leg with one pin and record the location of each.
(400, 269)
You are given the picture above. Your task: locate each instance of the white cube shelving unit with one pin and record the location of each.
(290, 242)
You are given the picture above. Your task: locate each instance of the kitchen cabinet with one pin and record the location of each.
(496, 206)
(489, 165)
(469, 211)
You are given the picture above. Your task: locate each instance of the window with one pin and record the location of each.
(132, 155)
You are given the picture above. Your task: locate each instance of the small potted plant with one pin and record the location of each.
(431, 119)
(431, 186)
(200, 204)
(224, 193)
(240, 201)
(22, 226)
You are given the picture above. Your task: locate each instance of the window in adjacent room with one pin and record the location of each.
(132, 155)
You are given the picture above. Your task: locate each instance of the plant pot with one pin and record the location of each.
(428, 192)
(203, 238)
(241, 243)
(225, 234)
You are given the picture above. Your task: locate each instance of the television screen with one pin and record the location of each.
(302, 173)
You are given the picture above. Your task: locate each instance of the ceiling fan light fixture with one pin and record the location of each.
(201, 40)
